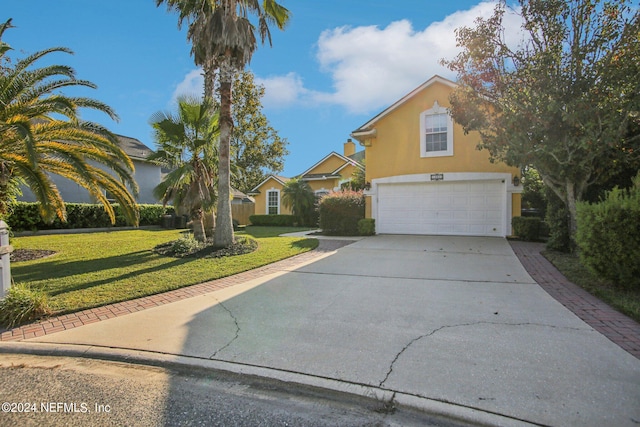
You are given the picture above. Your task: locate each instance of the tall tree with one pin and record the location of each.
(41, 134)
(186, 144)
(198, 14)
(563, 100)
(256, 148)
(222, 31)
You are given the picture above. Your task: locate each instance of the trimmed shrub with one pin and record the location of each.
(273, 220)
(608, 236)
(557, 219)
(185, 246)
(340, 213)
(26, 216)
(527, 228)
(22, 304)
(367, 227)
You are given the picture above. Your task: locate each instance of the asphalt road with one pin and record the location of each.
(63, 391)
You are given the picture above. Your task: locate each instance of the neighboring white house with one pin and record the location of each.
(147, 175)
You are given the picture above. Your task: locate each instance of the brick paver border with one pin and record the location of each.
(620, 329)
(74, 320)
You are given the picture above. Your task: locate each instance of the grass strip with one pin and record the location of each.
(627, 301)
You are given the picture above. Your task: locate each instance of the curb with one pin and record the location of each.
(284, 379)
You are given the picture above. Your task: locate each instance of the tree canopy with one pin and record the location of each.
(256, 148)
(563, 100)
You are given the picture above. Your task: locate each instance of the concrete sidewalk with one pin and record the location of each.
(450, 324)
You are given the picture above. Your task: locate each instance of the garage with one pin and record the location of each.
(472, 208)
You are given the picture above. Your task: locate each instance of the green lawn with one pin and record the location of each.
(626, 301)
(95, 269)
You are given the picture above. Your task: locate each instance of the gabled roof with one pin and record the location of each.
(281, 179)
(345, 159)
(355, 160)
(366, 129)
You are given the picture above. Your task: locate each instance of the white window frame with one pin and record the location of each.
(435, 110)
(273, 190)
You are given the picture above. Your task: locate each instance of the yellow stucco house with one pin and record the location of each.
(425, 176)
(323, 177)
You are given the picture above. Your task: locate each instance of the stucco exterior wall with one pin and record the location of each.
(396, 148)
(146, 175)
(261, 198)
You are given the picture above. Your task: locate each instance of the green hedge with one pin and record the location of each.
(608, 236)
(367, 227)
(557, 220)
(527, 228)
(25, 216)
(273, 220)
(340, 213)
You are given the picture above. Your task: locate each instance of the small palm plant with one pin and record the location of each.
(298, 195)
(186, 144)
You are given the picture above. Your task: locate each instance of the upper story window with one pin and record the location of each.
(436, 132)
(273, 202)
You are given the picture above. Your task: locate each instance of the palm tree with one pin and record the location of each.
(41, 134)
(298, 195)
(221, 32)
(185, 142)
(196, 13)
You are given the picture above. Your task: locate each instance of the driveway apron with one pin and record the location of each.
(453, 319)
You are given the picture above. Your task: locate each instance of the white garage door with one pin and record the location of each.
(473, 208)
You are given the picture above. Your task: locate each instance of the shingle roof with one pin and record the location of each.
(134, 148)
(358, 157)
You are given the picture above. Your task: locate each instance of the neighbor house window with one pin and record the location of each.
(436, 132)
(273, 202)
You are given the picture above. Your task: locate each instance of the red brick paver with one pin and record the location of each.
(73, 320)
(620, 329)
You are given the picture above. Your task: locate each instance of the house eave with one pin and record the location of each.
(367, 127)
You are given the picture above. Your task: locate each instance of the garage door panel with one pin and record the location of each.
(460, 208)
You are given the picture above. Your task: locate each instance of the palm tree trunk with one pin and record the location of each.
(198, 226)
(223, 235)
(209, 222)
(209, 68)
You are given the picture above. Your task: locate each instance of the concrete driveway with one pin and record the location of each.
(453, 320)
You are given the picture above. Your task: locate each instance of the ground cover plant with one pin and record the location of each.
(94, 269)
(625, 300)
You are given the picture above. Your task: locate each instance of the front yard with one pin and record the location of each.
(90, 270)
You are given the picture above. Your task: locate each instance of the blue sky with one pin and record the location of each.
(336, 65)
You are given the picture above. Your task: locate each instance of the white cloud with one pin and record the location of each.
(281, 91)
(191, 85)
(371, 67)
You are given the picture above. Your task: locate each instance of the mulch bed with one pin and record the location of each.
(19, 255)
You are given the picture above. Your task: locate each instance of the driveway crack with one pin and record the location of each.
(237, 333)
(461, 325)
